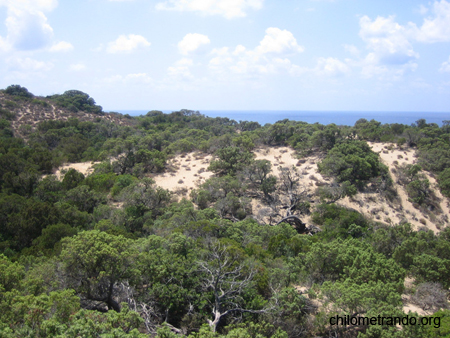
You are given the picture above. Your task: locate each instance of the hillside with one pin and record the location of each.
(27, 114)
(181, 225)
(186, 172)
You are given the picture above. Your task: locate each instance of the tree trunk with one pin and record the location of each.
(213, 323)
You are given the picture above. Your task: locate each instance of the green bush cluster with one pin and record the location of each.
(75, 100)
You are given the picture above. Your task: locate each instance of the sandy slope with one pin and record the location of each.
(408, 156)
(278, 156)
(30, 114)
(187, 171)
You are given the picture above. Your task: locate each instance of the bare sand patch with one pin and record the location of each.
(85, 168)
(391, 157)
(278, 156)
(186, 171)
(286, 157)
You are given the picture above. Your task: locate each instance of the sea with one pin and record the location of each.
(347, 118)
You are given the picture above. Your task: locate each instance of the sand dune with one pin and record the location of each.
(187, 171)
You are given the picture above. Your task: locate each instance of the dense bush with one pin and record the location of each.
(340, 222)
(17, 90)
(353, 161)
(444, 182)
(75, 100)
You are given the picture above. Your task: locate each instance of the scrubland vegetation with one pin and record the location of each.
(255, 250)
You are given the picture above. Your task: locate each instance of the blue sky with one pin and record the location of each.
(232, 54)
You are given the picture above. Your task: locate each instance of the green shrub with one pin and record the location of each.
(122, 181)
(41, 103)
(444, 182)
(337, 221)
(6, 114)
(353, 161)
(75, 100)
(16, 90)
(418, 191)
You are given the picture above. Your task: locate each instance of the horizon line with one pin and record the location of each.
(282, 110)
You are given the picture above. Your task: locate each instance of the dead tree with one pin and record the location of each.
(258, 177)
(290, 194)
(147, 311)
(227, 279)
(295, 221)
(291, 189)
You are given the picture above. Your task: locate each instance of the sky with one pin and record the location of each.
(345, 55)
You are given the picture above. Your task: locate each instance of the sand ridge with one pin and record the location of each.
(186, 172)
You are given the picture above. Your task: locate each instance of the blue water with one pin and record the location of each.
(322, 117)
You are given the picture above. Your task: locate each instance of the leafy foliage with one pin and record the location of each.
(231, 160)
(95, 261)
(444, 182)
(17, 90)
(75, 101)
(353, 161)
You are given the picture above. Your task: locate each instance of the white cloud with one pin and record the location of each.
(222, 59)
(28, 65)
(192, 42)
(420, 84)
(390, 50)
(4, 45)
(265, 59)
(127, 43)
(445, 67)
(278, 41)
(390, 44)
(113, 79)
(40, 5)
(423, 10)
(77, 67)
(352, 49)
(30, 5)
(181, 69)
(436, 28)
(184, 62)
(129, 79)
(138, 78)
(62, 46)
(388, 40)
(331, 67)
(239, 50)
(371, 67)
(227, 8)
(26, 24)
(27, 29)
